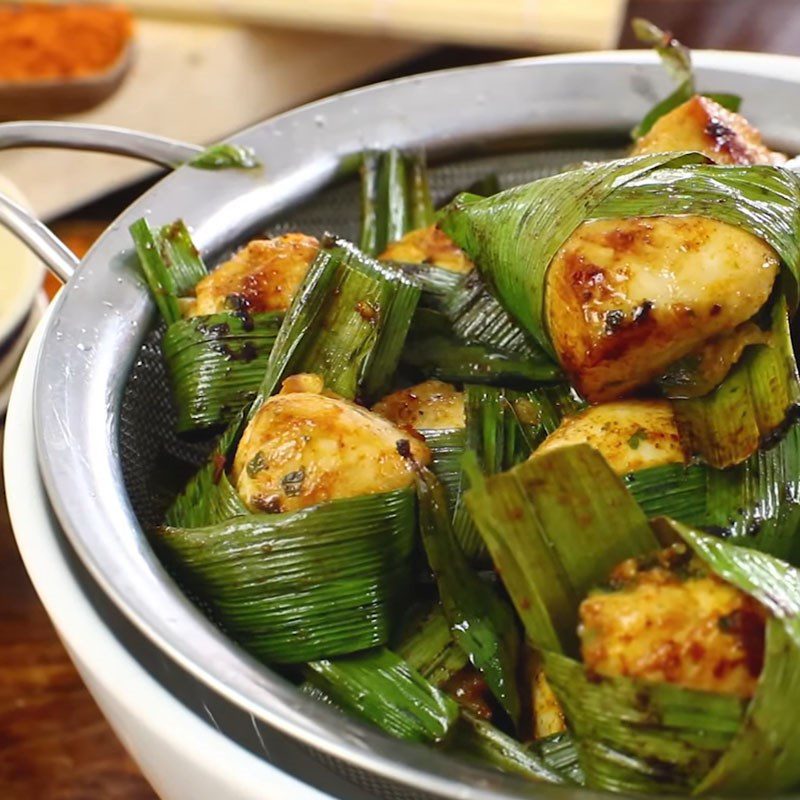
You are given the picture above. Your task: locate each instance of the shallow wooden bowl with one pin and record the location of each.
(41, 99)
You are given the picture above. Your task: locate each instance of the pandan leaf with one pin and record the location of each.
(315, 583)
(480, 741)
(634, 735)
(436, 351)
(677, 60)
(503, 428)
(347, 322)
(480, 620)
(216, 363)
(546, 525)
(383, 689)
(640, 737)
(209, 498)
(754, 504)
(751, 404)
(513, 236)
(560, 754)
(431, 649)
(226, 156)
(447, 450)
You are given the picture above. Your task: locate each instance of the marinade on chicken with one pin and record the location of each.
(629, 434)
(625, 298)
(304, 446)
(430, 405)
(703, 125)
(263, 276)
(674, 621)
(428, 246)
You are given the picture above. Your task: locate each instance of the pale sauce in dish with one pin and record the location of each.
(21, 273)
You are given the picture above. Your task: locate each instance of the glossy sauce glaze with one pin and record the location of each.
(430, 405)
(263, 276)
(304, 447)
(626, 298)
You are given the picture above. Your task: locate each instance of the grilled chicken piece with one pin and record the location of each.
(305, 446)
(428, 246)
(704, 125)
(548, 716)
(628, 297)
(263, 276)
(674, 622)
(430, 405)
(629, 434)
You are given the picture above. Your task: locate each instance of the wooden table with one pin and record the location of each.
(54, 744)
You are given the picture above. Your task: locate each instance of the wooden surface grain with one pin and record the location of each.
(54, 744)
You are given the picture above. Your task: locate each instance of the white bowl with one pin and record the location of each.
(21, 273)
(11, 355)
(182, 756)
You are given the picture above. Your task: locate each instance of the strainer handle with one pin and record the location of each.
(57, 257)
(98, 139)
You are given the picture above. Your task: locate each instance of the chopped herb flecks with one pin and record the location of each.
(292, 482)
(256, 464)
(638, 436)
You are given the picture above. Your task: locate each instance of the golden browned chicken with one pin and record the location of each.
(305, 446)
(428, 246)
(430, 405)
(704, 125)
(629, 434)
(548, 716)
(674, 622)
(263, 276)
(628, 297)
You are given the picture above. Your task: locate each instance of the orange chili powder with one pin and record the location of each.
(40, 41)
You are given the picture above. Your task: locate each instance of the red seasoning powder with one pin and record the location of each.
(41, 42)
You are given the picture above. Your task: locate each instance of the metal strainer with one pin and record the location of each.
(102, 409)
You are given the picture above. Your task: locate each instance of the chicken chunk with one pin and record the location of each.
(704, 125)
(263, 276)
(428, 246)
(625, 298)
(675, 623)
(304, 446)
(431, 405)
(547, 714)
(629, 434)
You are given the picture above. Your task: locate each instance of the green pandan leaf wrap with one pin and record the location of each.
(514, 235)
(552, 539)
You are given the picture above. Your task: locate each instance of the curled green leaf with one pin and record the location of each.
(226, 156)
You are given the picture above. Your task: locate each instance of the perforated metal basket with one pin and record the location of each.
(102, 409)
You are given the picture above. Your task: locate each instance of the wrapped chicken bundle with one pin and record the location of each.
(675, 655)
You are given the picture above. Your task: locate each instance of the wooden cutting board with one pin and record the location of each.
(199, 82)
(541, 25)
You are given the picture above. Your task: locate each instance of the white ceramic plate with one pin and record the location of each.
(21, 273)
(181, 755)
(9, 360)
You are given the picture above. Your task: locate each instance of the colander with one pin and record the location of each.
(102, 413)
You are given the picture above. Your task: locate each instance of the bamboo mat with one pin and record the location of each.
(199, 82)
(541, 25)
